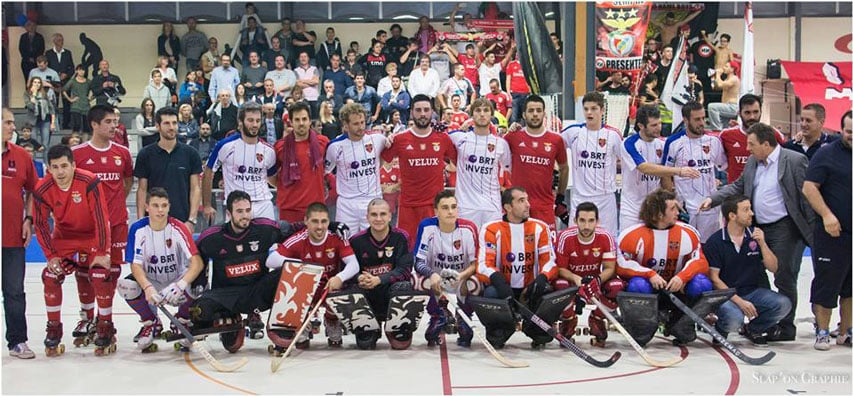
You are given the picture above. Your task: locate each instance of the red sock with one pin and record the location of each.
(85, 292)
(101, 282)
(52, 294)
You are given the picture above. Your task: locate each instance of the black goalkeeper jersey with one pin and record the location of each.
(389, 259)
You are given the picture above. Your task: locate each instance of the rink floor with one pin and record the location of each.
(449, 369)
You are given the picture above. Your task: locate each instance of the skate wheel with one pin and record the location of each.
(151, 349)
(166, 334)
(585, 331)
(577, 332)
(258, 335)
(177, 346)
(270, 349)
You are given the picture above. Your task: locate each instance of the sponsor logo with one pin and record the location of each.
(90, 162)
(242, 269)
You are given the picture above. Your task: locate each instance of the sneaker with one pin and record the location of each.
(22, 351)
(757, 339)
(834, 333)
(782, 333)
(821, 342)
(844, 338)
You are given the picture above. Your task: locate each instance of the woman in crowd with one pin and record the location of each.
(145, 125)
(189, 88)
(169, 47)
(40, 110)
(240, 95)
(187, 125)
(329, 125)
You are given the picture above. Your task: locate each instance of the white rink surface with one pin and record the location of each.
(796, 369)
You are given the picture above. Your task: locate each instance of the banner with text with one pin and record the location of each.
(621, 34)
(827, 83)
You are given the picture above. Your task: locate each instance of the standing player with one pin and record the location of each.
(112, 164)
(164, 262)
(247, 164)
(354, 156)
(446, 247)
(535, 153)
(316, 244)
(693, 148)
(482, 158)
(300, 156)
(734, 138)
(586, 257)
(422, 153)
(81, 226)
(642, 172)
(595, 149)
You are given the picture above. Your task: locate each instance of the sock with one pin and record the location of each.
(140, 306)
(52, 294)
(85, 292)
(102, 283)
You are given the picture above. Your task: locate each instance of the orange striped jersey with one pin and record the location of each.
(584, 259)
(676, 251)
(519, 251)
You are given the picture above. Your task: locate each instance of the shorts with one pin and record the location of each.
(629, 215)
(82, 251)
(265, 209)
(118, 243)
(832, 273)
(291, 215)
(706, 222)
(410, 218)
(606, 203)
(480, 217)
(353, 213)
(546, 214)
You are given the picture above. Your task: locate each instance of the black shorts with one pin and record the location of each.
(832, 273)
(244, 299)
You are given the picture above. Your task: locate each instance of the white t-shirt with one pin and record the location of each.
(164, 255)
(438, 250)
(594, 156)
(244, 166)
(358, 165)
(487, 74)
(481, 160)
(637, 185)
(704, 154)
(462, 87)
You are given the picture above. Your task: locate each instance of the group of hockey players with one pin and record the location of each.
(483, 242)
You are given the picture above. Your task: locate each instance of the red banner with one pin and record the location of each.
(621, 34)
(827, 83)
(479, 36)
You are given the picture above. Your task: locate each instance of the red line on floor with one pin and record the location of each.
(445, 367)
(734, 371)
(211, 379)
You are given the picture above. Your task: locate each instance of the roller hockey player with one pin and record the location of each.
(586, 258)
(317, 245)
(164, 263)
(517, 260)
(661, 253)
(75, 200)
(446, 255)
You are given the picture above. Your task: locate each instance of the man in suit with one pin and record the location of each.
(777, 176)
(61, 60)
(31, 46)
(272, 127)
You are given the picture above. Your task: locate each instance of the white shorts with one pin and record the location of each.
(479, 217)
(264, 209)
(353, 213)
(706, 222)
(607, 216)
(629, 215)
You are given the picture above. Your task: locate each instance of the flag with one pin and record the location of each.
(747, 75)
(676, 92)
(537, 55)
(621, 35)
(827, 83)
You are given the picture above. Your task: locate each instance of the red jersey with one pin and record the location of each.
(734, 145)
(390, 177)
(19, 175)
(310, 187)
(121, 136)
(672, 252)
(79, 213)
(584, 259)
(517, 83)
(112, 165)
(503, 101)
(471, 68)
(458, 118)
(421, 165)
(533, 160)
(329, 253)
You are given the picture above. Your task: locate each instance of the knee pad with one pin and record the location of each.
(597, 327)
(472, 286)
(498, 336)
(612, 288)
(128, 289)
(560, 284)
(48, 277)
(82, 274)
(639, 284)
(535, 333)
(99, 274)
(400, 287)
(115, 272)
(698, 285)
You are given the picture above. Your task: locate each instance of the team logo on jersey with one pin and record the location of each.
(76, 197)
(659, 152)
(169, 243)
(457, 244)
(389, 251)
(596, 252)
(104, 160)
(436, 146)
(368, 147)
(254, 245)
(239, 248)
(259, 157)
(423, 146)
(490, 147)
(393, 177)
(529, 238)
(330, 253)
(547, 147)
(706, 148)
(602, 142)
(674, 245)
(154, 259)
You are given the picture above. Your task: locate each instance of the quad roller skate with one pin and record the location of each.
(84, 333)
(334, 332)
(150, 331)
(53, 346)
(255, 326)
(105, 340)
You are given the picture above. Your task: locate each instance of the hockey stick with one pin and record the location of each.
(645, 355)
(201, 348)
(529, 315)
(717, 336)
(497, 355)
(278, 360)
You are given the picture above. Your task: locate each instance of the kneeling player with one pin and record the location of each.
(586, 257)
(661, 253)
(164, 262)
(446, 254)
(316, 244)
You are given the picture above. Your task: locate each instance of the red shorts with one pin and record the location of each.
(410, 217)
(69, 248)
(118, 243)
(291, 216)
(547, 216)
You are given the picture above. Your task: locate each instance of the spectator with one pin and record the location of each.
(397, 99)
(651, 52)
(194, 44)
(268, 57)
(171, 165)
(353, 45)
(189, 88)
(285, 38)
(373, 64)
(558, 44)
(283, 79)
(187, 125)
(503, 102)
(365, 96)
(459, 114)
(107, 87)
(441, 58)
(240, 96)
(381, 37)
(425, 36)
(670, 27)
(297, 95)
(253, 38)
(303, 41)
(727, 81)
(270, 96)
(40, 110)
(50, 82)
(170, 39)
(62, 61)
(664, 64)
(648, 92)
(36, 163)
(222, 115)
(723, 54)
(696, 90)
(210, 59)
(308, 78)
(424, 80)
(272, 128)
(613, 84)
(466, 26)
(157, 91)
(329, 125)
(351, 66)
(223, 77)
(489, 70)
(26, 137)
(145, 124)
(338, 75)
(385, 83)
(397, 125)
(120, 136)
(457, 86)
(331, 96)
(397, 43)
(389, 177)
(470, 59)
(76, 91)
(409, 60)
(811, 136)
(501, 48)
(203, 143)
(170, 79)
(31, 46)
(331, 46)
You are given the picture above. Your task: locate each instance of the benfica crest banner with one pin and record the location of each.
(621, 34)
(827, 83)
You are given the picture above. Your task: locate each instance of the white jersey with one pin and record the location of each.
(438, 250)
(594, 156)
(357, 164)
(164, 255)
(637, 185)
(481, 160)
(704, 154)
(244, 166)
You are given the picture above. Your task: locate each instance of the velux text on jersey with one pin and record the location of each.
(423, 162)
